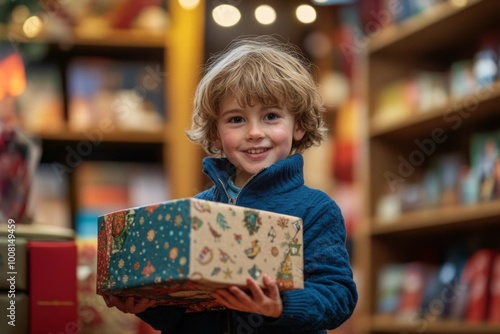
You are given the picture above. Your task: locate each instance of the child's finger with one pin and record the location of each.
(272, 287)
(255, 290)
(129, 305)
(225, 298)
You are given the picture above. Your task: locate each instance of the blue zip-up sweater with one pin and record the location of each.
(329, 295)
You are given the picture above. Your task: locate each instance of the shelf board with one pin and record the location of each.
(487, 99)
(135, 38)
(447, 24)
(446, 217)
(125, 38)
(117, 136)
(393, 324)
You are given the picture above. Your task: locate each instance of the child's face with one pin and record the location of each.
(254, 137)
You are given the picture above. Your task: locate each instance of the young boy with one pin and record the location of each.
(255, 110)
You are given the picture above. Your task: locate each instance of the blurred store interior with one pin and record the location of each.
(95, 98)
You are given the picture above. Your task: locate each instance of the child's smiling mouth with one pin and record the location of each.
(257, 150)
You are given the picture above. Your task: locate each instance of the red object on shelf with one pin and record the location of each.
(477, 274)
(53, 287)
(494, 309)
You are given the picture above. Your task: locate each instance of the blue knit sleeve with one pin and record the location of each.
(329, 295)
(163, 318)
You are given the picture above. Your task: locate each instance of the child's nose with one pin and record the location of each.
(254, 131)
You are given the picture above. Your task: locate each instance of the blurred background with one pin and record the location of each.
(95, 97)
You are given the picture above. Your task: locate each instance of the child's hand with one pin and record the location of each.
(266, 302)
(130, 304)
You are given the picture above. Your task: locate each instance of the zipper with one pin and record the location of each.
(232, 200)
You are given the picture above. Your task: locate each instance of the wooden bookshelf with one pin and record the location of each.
(180, 48)
(138, 38)
(434, 40)
(431, 30)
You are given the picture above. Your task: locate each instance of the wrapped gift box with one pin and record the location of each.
(179, 251)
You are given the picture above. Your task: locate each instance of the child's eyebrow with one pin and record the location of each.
(230, 111)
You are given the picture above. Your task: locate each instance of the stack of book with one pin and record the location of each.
(461, 288)
(38, 280)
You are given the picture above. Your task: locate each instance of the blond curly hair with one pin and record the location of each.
(264, 70)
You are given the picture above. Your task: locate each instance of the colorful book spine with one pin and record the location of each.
(53, 287)
(477, 274)
(494, 309)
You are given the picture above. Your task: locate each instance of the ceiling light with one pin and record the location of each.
(189, 4)
(265, 14)
(226, 15)
(306, 13)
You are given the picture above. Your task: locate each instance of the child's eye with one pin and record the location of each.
(271, 116)
(236, 119)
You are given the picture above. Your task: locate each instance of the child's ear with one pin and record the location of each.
(298, 132)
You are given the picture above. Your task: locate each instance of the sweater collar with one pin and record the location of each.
(283, 175)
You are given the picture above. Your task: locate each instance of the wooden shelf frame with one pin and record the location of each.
(432, 40)
(434, 219)
(488, 98)
(411, 37)
(136, 38)
(181, 49)
(115, 136)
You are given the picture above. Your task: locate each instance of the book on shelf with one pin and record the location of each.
(103, 187)
(494, 291)
(393, 103)
(41, 104)
(462, 81)
(151, 15)
(450, 179)
(110, 186)
(428, 90)
(52, 286)
(415, 278)
(485, 164)
(118, 185)
(390, 284)
(452, 291)
(130, 94)
(486, 60)
(464, 287)
(49, 198)
(477, 275)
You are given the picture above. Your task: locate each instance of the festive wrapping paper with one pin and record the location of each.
(179, 251)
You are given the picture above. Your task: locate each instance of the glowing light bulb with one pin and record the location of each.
(305, 13)
(32, 26)
(226, 15)
(265, 14)
(189, 4)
